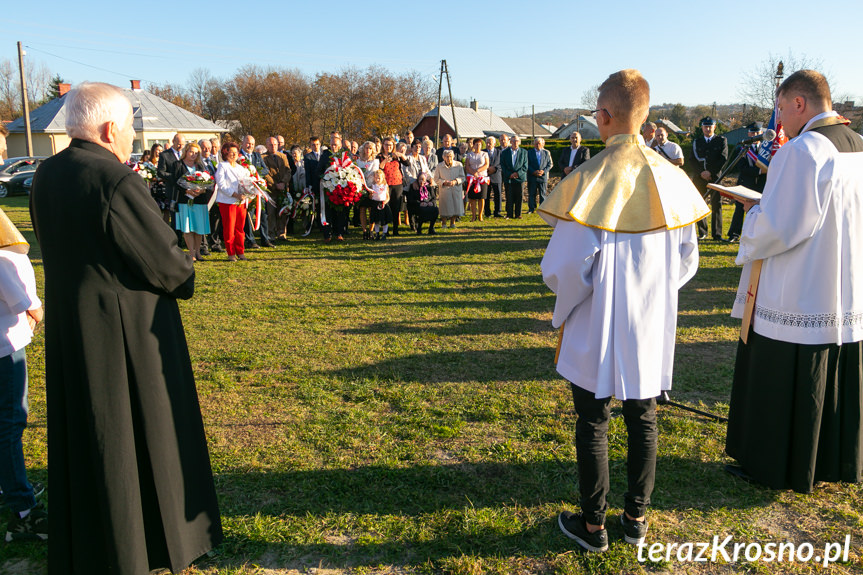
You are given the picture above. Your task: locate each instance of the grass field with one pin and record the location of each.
(393, 408)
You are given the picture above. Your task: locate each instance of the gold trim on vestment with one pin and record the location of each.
(10, 237)
(626, 188)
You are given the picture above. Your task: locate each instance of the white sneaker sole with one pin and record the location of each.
(632, 540)
(581, 542)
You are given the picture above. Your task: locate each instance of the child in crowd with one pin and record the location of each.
(381, 213)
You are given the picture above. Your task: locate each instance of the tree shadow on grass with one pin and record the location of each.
(455, 327)
(483, 365)
(464, 508)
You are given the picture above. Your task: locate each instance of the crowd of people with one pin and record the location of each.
(425, 185)
(132, 486)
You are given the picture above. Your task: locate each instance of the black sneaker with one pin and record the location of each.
(573, 526)
(633, 531)
(34, 527)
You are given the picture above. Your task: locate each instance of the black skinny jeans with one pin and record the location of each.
(395, 204)
(591, 444)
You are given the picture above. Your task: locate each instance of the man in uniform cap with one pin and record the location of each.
(709, 152)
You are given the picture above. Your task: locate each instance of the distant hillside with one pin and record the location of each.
(687, 117)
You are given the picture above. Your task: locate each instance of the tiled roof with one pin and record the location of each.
(152, 114)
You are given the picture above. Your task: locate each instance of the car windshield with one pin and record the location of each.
(13, 165)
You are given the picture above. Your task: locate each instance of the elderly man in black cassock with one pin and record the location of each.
(128, 466)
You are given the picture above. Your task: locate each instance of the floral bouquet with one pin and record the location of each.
(254, 188)
(344, 182)
(198, 182)
(146, 171)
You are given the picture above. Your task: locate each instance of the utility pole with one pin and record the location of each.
(533, 121)
(451, 105)
(26, 105)
(439, 90)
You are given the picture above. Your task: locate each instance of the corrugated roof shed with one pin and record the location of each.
(522, 127)
(671, 126)
(152, 114)
(471, 123)
(585, 125)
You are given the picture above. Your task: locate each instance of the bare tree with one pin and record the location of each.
(199, 83)
(589, 97)
(758, 85)
(172, 93)
(10, 101)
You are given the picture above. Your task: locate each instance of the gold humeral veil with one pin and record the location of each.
(10, 238)
(627, 188)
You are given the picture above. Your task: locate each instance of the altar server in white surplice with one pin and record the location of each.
(623, 244)
(795, 412)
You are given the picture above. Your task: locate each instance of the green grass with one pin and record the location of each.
(393, 408)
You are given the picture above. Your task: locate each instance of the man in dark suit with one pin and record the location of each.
(310, 164)
(709, 152)
(513, 169)
(494, 186)
(448, 144)
(575, 155)
(750, 176)
(247, 151)
(538, 165)
(337, 220)
(128, 461)
(167, 163)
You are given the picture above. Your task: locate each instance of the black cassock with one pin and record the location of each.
(129, 475)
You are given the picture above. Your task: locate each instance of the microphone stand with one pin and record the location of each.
(663, 399)
(730, 164)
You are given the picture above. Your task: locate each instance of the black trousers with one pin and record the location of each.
(591, 444)
(713, 198)
(395, 205)
(514, 197)
(736, 227)
(493, 193)
(337, 218)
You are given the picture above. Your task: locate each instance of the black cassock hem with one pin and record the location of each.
(795, 413)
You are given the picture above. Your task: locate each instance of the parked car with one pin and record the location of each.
(13, 166)
(18, 184)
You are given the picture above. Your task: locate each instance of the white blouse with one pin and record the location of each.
(228, 182)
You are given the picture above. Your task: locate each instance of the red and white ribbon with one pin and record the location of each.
(476, 181)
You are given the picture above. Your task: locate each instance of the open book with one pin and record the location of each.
(737, 193)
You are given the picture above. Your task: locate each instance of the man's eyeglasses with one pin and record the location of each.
(596, 112)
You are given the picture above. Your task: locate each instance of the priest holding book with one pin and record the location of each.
(795, 412)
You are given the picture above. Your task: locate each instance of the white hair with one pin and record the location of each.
(448, 152)
(90, 105)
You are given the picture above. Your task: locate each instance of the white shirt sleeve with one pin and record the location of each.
(567, 266)
(17, 283)
(791, 209)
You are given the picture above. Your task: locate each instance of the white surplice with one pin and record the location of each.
(808, 229)
(617, 293)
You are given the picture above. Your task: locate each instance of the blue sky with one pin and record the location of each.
(508, 55)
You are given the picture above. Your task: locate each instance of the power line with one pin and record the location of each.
(29, 47)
